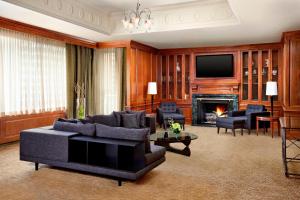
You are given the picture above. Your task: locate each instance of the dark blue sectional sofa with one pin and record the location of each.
(98, 144)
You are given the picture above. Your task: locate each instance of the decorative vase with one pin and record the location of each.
(81, 108)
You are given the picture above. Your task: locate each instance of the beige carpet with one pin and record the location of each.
(220, 167)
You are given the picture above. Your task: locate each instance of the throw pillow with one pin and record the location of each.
(108, 120)
(130, 121)
(68, 120)
(118, 117)
(141, 117)
(84, 129)
(122, 133)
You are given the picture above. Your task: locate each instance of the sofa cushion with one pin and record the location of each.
(140, 117)
(122, 133)
(173, 116)
(130, 121)
(230, 120)
(118, 117)
(84, 129)
(109, 120)
(157, 152)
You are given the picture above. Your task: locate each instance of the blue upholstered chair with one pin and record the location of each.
(248, 117)
(167, 111)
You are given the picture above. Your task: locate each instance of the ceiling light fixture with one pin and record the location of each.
(138, 19)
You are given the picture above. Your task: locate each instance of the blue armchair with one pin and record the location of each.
(249, 115)
(167, 111)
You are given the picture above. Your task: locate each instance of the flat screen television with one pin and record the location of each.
(209, 66)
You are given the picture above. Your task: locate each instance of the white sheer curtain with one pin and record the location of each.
(32, 74)
(107, 78)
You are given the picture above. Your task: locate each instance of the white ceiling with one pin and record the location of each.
(243, 22)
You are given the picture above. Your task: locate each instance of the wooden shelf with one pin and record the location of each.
(254, 85)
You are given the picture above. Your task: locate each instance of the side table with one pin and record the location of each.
(268, 119)
(151, 122)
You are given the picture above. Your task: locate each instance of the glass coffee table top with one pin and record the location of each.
(171, 136)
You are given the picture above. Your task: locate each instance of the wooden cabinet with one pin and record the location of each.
(174, 81)
(175, 77)
(291, 76)
(258, 67)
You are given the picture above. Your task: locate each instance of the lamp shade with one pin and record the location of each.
(271, 88)
(152, 88)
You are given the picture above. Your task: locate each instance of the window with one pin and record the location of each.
(32, 74)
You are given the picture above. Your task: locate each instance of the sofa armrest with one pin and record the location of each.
(236, 113)
(44, 143)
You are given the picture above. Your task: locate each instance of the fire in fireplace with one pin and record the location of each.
(220, 110)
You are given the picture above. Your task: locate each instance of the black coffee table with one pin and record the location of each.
(184, 137)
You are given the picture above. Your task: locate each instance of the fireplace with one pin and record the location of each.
(211, 108)
(206, 108)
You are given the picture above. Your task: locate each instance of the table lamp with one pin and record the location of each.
(152, 90)
(271, 90)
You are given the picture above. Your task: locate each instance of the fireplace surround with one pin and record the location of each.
(207, 107)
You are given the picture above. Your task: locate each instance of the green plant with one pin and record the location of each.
(175, 127)
(81, 113)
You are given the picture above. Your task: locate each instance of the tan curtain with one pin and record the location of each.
(108, 79)
(79, 71)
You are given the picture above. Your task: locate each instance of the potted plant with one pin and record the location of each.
(175, 127)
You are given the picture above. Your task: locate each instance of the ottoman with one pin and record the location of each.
(231, 123)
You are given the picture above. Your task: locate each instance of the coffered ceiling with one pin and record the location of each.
(177, 23)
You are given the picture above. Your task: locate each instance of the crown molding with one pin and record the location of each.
(189, 15)
(70, 11)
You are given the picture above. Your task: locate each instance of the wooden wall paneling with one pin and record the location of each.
(139, 75)
(10, 126)
(280, 76)
(295, 72)
(286, 75)
(133, 76)
(147, 73)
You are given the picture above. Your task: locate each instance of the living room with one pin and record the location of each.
(173, 99)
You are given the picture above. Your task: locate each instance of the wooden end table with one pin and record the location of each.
(268, 119)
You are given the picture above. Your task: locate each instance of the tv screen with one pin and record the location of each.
(214, 66)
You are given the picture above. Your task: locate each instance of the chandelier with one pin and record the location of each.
(138, 19)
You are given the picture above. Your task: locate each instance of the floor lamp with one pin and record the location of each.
(271, 90)
(152, 90)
